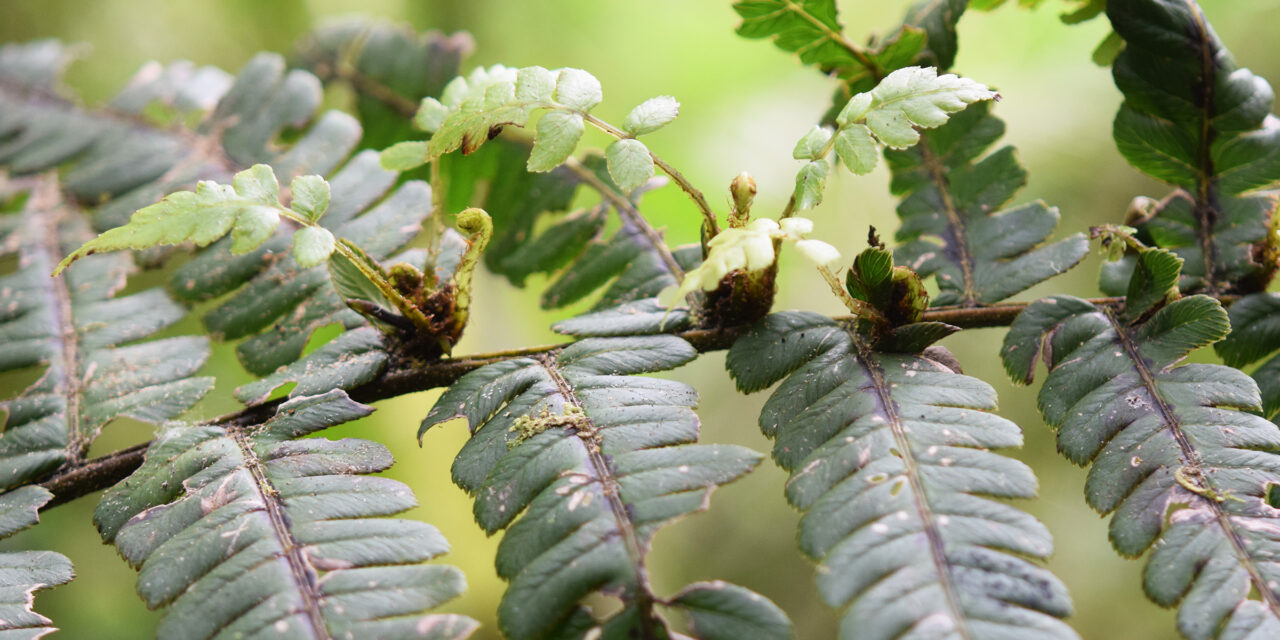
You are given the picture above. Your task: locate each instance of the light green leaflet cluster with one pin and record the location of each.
(249, 209)
(890, 115)
(475, 107)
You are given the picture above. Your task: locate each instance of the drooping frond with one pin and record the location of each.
(1195, 120)
(390, 68)
(22, 573)
(890, 461)
(1174, 450)
(252, 532)
(1255, 335)
(96, 368)
(581, 462)
(953, 223)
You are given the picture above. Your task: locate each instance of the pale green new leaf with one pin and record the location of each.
(857, 149)
(581, 462)
(890, 115)
(1177, 455)
(577, 90)
(312, 246)
(275, 302)
(891, 462)
(249, 210)
(558, 133)
(310, 196)
(913, 98)
(812, 145)
(630, 164)
(811, 183)
(251, 531)
(651, 115)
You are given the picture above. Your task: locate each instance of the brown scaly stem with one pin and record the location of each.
(76, 481)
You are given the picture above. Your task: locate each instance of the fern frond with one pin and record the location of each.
(582, 462)
(1195, 120)
(953, 223)
(77, 328)
(22, 573)
(251, 531)
(890, 462)
(390, 67)
(811, 29)
(276, 303)
(1255, 335)
(1176, 453)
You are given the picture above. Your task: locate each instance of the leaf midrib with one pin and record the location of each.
(937, 547)
(1192, 460)
(299, 568)
(612, 491)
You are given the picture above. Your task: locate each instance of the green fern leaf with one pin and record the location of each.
(1175, 454)
(1255, 335)
(77, 330)
(953, 197)
(1193, 119)
(582, 462)
(890, 463)
(244, 531)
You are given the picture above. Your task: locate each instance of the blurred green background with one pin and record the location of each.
(744, 103)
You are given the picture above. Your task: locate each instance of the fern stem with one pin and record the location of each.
(47, 199)
(628, 212)
(407, 376)
(708, 216)
(919, 497)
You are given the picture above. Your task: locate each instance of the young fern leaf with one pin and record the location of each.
(75, 328)
(251, 531)
(889, 461)
(1193, 119)
(890, 115)
(389, 67)
(953, 226)
(276, 303)
(1177, 454)
(249, 210)
(22, 573)
(1255, 335)
(581, 462)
